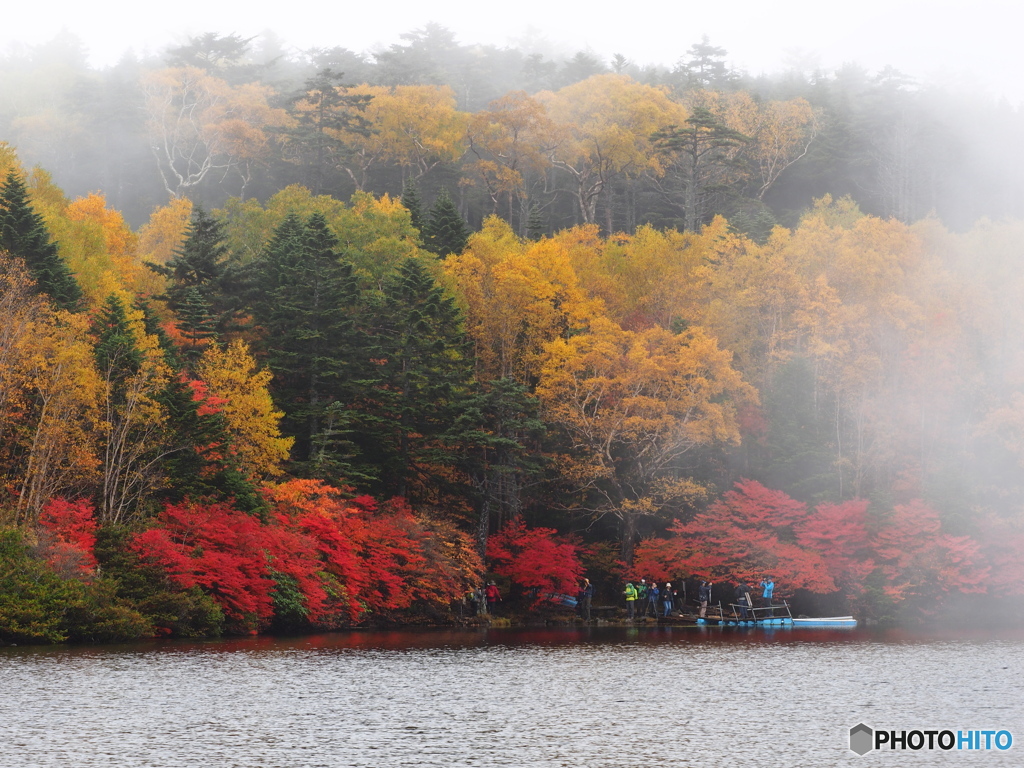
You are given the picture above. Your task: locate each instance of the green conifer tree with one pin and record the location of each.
(117, 354)
(420, 383)
(536, 227)
(446, 231)
(496, 433)
(412, 202)
(702, 149)
(200, 264)
(197, 324)
(23, 234)
(322, 111)
(131, 447)
(305, 301)
(199, 462)
(151, 324)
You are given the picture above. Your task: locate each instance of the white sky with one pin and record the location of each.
(978, 41)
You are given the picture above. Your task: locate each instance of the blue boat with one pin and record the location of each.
(774, 615)
(566, 601)
(831, 622)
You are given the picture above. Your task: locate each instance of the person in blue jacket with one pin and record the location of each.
(652, 599)
(768, 591)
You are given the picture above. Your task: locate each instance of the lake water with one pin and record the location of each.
(580, 698)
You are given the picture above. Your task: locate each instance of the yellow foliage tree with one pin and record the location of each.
(159, 238)
(649, 278)
(511, 142)
(753, 296)
(252, 421)
(518, 296)
(415, 127)
(61, 452)
(48, 397)
(104, 249)
(631, 404)
(606, 124)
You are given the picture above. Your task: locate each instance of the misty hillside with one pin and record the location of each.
(545, 142)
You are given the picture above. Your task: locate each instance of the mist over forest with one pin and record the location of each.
(369, 327)
(898, 148)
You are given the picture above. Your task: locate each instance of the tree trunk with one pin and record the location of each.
(629, 533)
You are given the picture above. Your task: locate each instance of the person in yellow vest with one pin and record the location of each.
(631, 596)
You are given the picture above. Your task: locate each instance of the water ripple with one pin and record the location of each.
(585, 699)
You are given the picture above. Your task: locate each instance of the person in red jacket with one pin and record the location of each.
(493, 596)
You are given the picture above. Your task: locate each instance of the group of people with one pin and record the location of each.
(484, 599)
(666, 598)
(654, 599)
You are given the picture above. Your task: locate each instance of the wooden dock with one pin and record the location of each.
(732, 615)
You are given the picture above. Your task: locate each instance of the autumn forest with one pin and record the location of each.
(293, 342)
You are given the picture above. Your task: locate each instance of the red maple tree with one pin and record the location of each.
(921, 563)
(535, 558)
(217, 548)
(747, 534)
(68, 536)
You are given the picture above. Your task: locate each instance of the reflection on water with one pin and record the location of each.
(605, 697)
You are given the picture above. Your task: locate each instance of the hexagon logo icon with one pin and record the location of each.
(861, 739)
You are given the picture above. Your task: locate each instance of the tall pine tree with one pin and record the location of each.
(199, 462)
(323, 111)
(23, 234)
(421, 380)
(412, 202)
(201, 265)
(305, 302)
(496, 434)
(197, 325)
(445, 231)
(131, 436)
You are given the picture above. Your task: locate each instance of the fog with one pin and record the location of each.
(975, 42)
